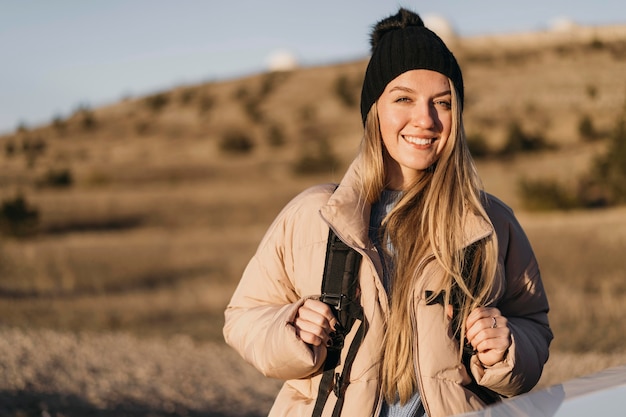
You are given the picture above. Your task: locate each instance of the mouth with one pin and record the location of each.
(415, 140)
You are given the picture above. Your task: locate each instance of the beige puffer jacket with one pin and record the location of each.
(287, 268)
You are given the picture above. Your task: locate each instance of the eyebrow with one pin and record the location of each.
(410, 90)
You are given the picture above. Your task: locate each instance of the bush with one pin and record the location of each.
(157, 102)
(478, 146)
(596, 44)
(346, 91)
(17, 218)
(187, 95)
(604, 185)
(546, 195)
(59, 124)
(321, 161)
(592, 91)
(33, 148)
(520, 141)
(268, 84)
(275, 136)
(58, 178)
(207, 102)
(609, 170)
(586, 130)
(88, 119)
(252, 107)
(236, 142)
(316, 155)
(9, 148)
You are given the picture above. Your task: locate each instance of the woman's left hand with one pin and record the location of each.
(489, 334)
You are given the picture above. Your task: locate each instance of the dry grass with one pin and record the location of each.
(118, 300)
(581, 257)
(116, 374)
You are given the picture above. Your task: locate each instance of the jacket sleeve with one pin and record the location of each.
(525, 305)
(259, 317)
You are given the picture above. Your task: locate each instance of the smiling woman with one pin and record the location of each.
(449, 290)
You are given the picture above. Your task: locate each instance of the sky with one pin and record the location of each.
(58, 56)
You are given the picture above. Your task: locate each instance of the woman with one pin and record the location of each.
(442, 262)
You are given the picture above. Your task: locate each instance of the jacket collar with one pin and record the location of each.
(348, 214)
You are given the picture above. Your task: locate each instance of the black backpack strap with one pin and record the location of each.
(339, 290)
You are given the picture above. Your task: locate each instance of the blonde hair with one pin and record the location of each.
(433, 208)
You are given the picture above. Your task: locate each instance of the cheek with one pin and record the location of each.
(388, 129)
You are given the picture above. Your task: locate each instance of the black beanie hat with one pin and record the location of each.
(402, 43)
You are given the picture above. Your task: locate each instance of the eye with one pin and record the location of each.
(446, 104)
(402, 99)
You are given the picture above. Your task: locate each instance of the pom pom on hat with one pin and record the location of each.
(401, 20)
(402, 43)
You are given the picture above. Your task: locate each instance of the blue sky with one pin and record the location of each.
(59, 55)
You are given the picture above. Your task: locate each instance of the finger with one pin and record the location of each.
(310, 332)
(323, 310)
(491, 339)
(480, 313)
(492, 350)
(310, 338)
(484, 329)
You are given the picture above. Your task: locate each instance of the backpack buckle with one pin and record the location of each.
(334, 300)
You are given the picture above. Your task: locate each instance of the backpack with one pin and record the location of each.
(339, 290)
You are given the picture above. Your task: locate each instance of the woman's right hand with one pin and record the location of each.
(314, 322)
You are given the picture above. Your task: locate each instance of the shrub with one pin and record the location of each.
(275, 136)
(33, 148)
(187, 96)
(206, 103)
(321, 160)
(58, 178)
(478, 146)
(316, 155)
(546, 195)
(586, 130)
(592, 91)
(596, 44)
(17, 218)
(157, 102)
(519, 141)
(609, 170)
(236, 142)
(346, 91)
(9, 148)
(88, 119)
(241, 93)
(59, 124)
(268, 83)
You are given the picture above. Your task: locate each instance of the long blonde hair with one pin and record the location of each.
(432, 208)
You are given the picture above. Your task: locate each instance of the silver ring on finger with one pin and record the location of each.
(495, 323)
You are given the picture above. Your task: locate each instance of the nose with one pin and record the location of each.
(424, 115)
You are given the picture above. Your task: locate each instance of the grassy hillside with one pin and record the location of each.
(140, 216)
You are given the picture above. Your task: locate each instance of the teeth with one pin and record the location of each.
(418, 141)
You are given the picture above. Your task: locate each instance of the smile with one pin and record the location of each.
(419, 141)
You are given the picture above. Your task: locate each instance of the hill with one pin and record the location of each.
(138, 217)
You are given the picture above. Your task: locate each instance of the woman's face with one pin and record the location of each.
(415, 119)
